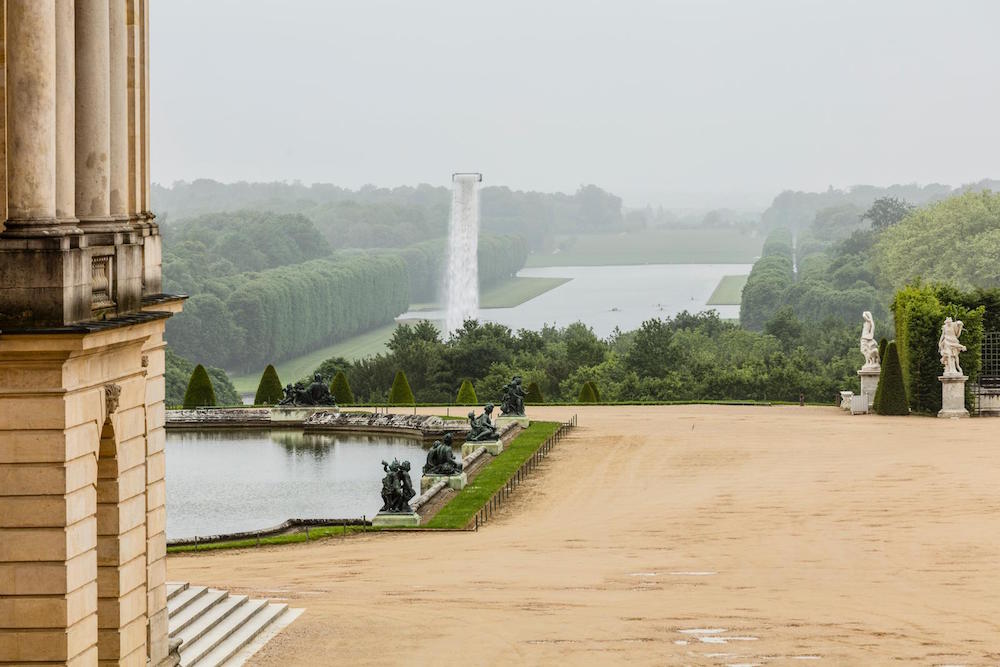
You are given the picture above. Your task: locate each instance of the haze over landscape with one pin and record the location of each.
(691, 103)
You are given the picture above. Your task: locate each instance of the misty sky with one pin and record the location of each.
(684, 103)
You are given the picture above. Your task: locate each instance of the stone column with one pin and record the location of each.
(119, 125)
(66, 114)
(31, 118)
(93, 114)
(953, 396)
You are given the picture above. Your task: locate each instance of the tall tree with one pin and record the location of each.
(886, 212)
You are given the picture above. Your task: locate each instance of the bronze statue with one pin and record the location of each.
(317, 393)
(482, 427)
(512, 400)
(441, 460)
(397, 489)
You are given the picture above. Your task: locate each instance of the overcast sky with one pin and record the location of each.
(684, 103)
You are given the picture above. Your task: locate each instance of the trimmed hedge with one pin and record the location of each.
(341, 389)
(400, 393)
(533, 394)
(919, 311)
(199, 390)
(890, 398)
(587, 394)
(269, 390)
(597, 392)
(467, 394)
(882, 344)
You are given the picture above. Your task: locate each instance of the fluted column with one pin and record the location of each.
(66, 113)
(93, 99)
(119, 124)
(146, 207)
(31, 117)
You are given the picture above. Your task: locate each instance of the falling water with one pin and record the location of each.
(462, 277)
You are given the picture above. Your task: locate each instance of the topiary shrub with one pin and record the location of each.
(467, 394)
(341, 389)
(199, 390)
(597, 393)
(533, 394)
(891, 394)
(587, 394)
(269, 390)
(400, 393)
(881, 349)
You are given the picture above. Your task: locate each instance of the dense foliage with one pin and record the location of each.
(178, 373)
(382, 217)
(466, 394)
(955, 241)
(890, 399)
(919, 311)
(199, 390)
(240, 318)
(689, 357)
(770, 278)
(341, 389)
(269, 391)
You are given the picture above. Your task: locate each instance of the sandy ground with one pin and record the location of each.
(696, 535)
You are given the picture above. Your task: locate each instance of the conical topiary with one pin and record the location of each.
(341, 389)
(892, 400)
(587, 394)
(597, 393)
(467, 394)
(881, 349)
(199, 390)
(533, 394)
(400, 394)
(269, 390)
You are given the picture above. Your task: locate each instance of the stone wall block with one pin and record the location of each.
(118, 580)
(47, 511)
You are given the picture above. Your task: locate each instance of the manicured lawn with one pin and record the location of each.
(672, 246)
(507, 294)
(288, 538)
(728, 292)
(473, 497)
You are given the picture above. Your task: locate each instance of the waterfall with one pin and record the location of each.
(461, 278)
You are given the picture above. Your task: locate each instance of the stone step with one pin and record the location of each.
(209, 619)
(175, 587)
(243, 636)
(192, 654)
(196, 609)
(184, 598)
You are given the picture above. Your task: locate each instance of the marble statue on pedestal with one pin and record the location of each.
(950, 347)
(869, 346)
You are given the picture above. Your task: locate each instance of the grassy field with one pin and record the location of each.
(728, 292)
(674, 246)
(303, 535)
(508, 294)
(473, 497)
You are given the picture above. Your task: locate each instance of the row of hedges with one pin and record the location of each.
(919, 311)
(769, 279)
(246, 320)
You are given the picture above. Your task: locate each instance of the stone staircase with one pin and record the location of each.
(221, 629)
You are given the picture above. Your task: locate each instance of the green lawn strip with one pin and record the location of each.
(315, 533)
(729, 291)
(461, 509)
(661, 246)
(508, 294)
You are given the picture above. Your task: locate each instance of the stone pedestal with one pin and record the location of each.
(953, 396)
(394, 520)
(989, 403)
(296, 415)
(869, 382)
(845, 400)
(456, 482)
(521, 421)
(494, 447)
(859, 405)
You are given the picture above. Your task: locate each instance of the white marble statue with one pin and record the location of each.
(869, 346)
(950, 347)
